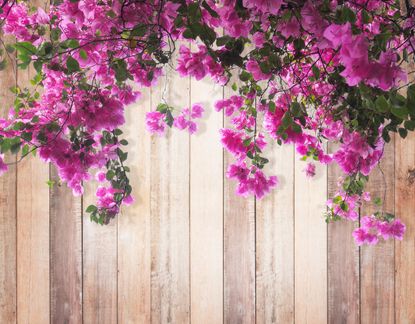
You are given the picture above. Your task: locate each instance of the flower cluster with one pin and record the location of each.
(304, 73)
(372, 228)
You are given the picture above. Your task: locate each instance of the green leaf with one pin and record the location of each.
(83, 54)
(55, 33)
(316, 72)
(72, 43)
(110, 175)
(296, 109)
(162, 108)
(72, 65)
(91, 209)
(400, 111)
(169, 118)
(120, 68)
(409, 125)
(272, 106)
(382, 104)
(348, 15)
(403, 132)
(245, 76)
(299, 44)
(188, 34)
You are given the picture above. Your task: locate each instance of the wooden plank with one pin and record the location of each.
(170, 277)
(65, 253)
(377, 262)
(99, 266)
(310, 245)
(8, 207)
(33, 241)
(404, 209)
(206, 201)
(239, 251)
(275, 242)
(405, 249)
(33, 288)
(342, 262)
(134, 222)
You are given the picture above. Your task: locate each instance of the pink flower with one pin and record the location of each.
(258, 39)
(362, 236)
(253, 67)
(264, 6)
(310, 170)
(155, 122)
(338, 34)
(233, 141)
(100, 176)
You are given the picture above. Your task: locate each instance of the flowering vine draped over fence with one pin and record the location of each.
(310, 73)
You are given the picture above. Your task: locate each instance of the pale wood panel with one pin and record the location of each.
(7, 207)
(33, 241)
(377, 262)
(405, 250)
(342, 262)
(134, 222)
(65, 253)
(99, 266)
(404, 209)
(310, 245)
(206, 201)
(170, 277)
(33, 294)
(239, 251)
(275, 241)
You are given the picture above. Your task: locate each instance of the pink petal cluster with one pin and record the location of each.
(251, 180)
(371, 229)
(356, 155)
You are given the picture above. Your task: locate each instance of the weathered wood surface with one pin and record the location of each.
(188, 249)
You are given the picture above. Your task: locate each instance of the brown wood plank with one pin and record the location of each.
(33, 241)
(343, 264)
(170, 277)
(377, 262)
(310, 245)
(206, 201)
(405, 249)
(404, 209)
(239, 251)
(99, 266)
(33, 278)
(275, 242)
(65, 253)
(8, 207)
(134, 222)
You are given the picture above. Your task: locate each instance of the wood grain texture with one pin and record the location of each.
(405, 249)
(239, 251)
(8, 207)
(99, 267)
(310, 245)
(33, 294)
(342, 262)
(404, 209)
(134, 222)
(170, 277)
(206, 201)
(275, 242)
(377, 262)
(65, 253)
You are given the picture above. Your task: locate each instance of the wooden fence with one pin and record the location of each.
(189, 249)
